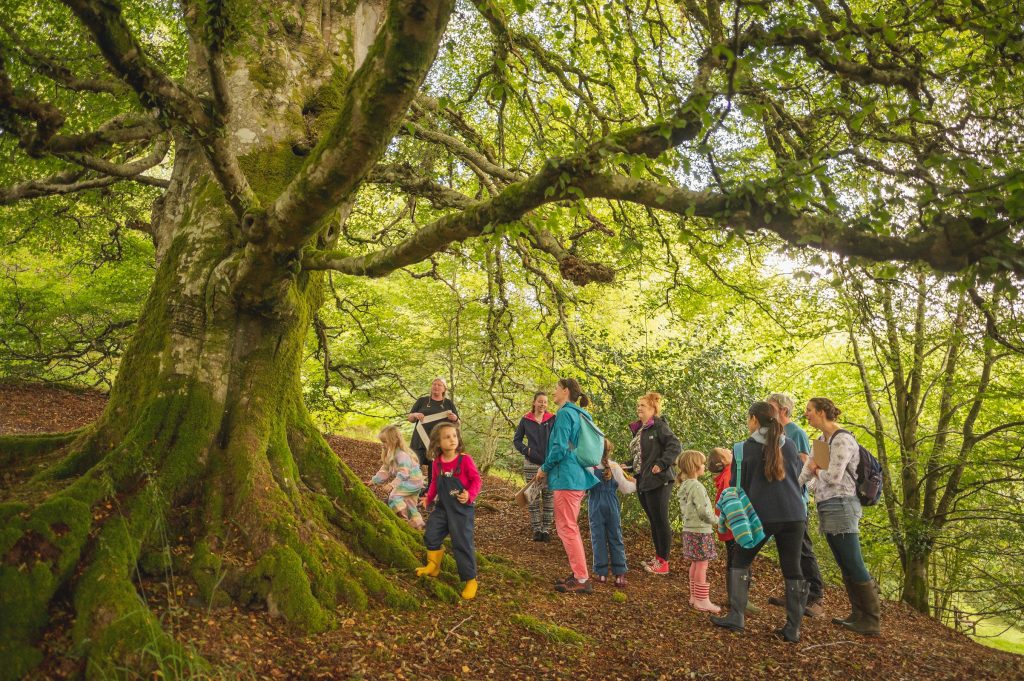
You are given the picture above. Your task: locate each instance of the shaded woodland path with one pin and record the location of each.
(652, 634)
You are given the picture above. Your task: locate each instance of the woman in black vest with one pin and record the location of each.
(426, 413)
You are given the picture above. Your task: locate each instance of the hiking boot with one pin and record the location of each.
(796, 601)
(620, 581)
(570, 578)
(866, 598)
(739, 590)
(545, 536)
(658, 568)
(576, 587)
(538, 536)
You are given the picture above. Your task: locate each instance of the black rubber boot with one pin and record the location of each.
(739, 589)
(796, 601)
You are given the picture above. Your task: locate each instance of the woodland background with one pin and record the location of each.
(699, 304)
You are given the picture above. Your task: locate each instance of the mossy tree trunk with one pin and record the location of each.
(205, 446)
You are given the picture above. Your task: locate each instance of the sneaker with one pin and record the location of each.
(545, 536)
(620, 581)
(538, 536)
(660, 568)
(576, 587)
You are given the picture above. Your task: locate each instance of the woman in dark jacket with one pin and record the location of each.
(531, 440)
(654, 448)
(770, 475)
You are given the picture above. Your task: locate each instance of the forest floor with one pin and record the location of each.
(519, 628)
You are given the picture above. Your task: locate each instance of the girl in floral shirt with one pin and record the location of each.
(399, 463)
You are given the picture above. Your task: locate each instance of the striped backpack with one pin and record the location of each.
(737, 515)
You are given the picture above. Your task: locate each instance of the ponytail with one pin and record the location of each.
(767, 417)
(575, 391)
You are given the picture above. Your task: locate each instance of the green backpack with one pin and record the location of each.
(589, 446)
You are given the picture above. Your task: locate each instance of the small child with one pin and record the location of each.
(720, 463)
(454, 484)
(606, 520)
(698, 522)
(399, 463)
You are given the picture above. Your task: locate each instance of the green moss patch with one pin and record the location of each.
(550, 631)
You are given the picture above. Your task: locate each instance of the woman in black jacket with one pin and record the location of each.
(770, 476)
(654, 448)
(531, 440)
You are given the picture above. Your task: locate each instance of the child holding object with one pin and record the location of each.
(606, 520)
(454, 485)
(699, 520)
(399, 465)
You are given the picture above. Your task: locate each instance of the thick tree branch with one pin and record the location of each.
(124, 52)
(126, 170)
(948, 244)
(403, 176)
(68, 182)
(378, 96)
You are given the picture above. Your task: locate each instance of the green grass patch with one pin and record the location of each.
(995, 634)
(552, 632)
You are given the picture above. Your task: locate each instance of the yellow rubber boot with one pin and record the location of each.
(469, 591)
(433, 566)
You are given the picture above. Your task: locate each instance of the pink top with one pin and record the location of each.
(469, 476)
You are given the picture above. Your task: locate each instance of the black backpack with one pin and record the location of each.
(869, 474)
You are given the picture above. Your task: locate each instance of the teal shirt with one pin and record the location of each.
(563, 470)
(803, 446)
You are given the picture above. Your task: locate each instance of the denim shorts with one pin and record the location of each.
(839, 515)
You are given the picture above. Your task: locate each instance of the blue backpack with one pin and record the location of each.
(589, 445)
(736, 513)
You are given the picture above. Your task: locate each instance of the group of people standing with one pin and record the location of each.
(778, 476)
(773, 467)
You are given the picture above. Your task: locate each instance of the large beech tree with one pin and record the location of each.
(877, 130)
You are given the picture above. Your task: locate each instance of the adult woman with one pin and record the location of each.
(839, 512)
(569, 481)
(531, 440)
(770, 475)
(654, 448)
(426, 413)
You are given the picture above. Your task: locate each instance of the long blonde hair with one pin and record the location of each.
(392, 440)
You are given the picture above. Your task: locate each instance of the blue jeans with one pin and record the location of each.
(606, 530)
